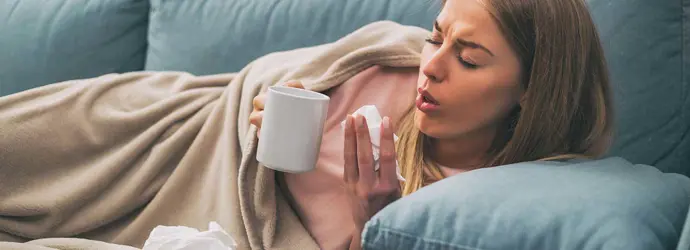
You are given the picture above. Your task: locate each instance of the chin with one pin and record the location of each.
(428, 126)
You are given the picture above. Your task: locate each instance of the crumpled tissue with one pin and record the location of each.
(185, 238)
(374, 119)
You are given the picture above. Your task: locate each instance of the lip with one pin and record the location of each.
(425, 102)
(426, 95)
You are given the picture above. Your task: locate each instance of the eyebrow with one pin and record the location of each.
(465, 43)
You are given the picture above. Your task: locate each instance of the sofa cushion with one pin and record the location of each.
(648, 53)
(44, 42)
(604, 204)
(217, 36)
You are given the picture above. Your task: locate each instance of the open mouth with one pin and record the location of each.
(426, 97)
(429, 99)
(425, 102)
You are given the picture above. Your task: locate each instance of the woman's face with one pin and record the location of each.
(469, 75)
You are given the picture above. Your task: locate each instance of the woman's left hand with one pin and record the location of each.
(369, 190)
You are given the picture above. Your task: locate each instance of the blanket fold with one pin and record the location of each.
(107, 159)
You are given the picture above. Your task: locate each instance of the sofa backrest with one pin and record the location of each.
(644, 42)
(43, 42)
(214, 36)
(647, 45)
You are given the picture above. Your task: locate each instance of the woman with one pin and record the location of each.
(500, 82)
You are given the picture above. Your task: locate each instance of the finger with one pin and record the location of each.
(259, 101)
(387, 154)
(256, 118)
(365, 157)
(350, 173)
(295, 84)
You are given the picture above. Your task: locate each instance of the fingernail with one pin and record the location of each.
(348, 121)
(360, 121)
(386, 122)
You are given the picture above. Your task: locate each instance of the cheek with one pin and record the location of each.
(478, 101)
(484, 97)
(483, 90)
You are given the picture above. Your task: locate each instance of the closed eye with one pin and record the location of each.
(431, 41)
(467, 64)
(464, 62)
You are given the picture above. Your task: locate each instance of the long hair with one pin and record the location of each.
(566, 111)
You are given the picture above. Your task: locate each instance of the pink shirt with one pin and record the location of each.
(319, 196)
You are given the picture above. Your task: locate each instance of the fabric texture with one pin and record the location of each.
(603, 204)
(647, 49)
(64, 244)
(44, 42)
(645, 43)
(236, 32)
(319, 196)
(110, 158)
(684, 242)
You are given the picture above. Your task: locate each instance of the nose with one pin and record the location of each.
(435, 67)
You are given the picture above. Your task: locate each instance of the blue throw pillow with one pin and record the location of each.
(43, 42)
(218, 36)
(606, 204)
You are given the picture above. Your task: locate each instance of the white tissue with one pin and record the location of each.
(374, 123)
(185, 238)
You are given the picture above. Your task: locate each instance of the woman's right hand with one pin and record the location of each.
(259, 101)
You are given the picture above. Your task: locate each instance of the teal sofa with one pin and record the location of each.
(647, 44)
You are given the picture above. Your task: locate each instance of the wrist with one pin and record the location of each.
(356, 242)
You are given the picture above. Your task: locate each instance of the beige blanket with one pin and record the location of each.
(107, 159)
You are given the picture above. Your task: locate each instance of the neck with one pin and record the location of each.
(464, 153)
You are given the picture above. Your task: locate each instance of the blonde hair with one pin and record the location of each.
(566, 111)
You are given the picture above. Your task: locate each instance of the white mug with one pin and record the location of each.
(292, 128)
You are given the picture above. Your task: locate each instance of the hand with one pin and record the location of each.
(259, 101)
(369, 191)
